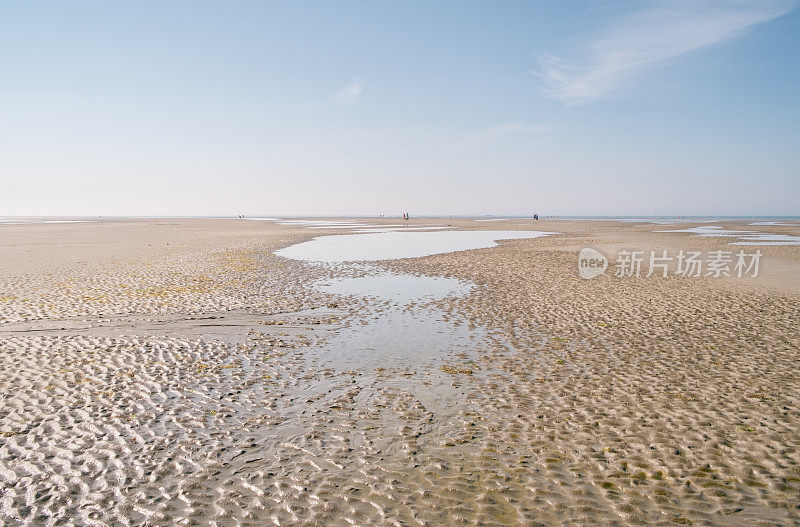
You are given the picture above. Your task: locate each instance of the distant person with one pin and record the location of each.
(535, 215)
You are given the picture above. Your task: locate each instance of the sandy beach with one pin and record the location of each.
(176, 371)
(400, 263)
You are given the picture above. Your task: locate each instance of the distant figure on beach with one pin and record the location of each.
(535, 215)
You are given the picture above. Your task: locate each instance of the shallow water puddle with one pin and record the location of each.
(403, 337)
(355, 226)
(394, 245)
(404, 332)
(318, 224)
(742, 237)
(402, 288)
(397, 338)
(401, 228)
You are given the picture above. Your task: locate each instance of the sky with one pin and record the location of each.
(263, 108)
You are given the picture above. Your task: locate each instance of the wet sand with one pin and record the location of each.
(177, 372)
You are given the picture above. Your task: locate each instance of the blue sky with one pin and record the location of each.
(275, 108)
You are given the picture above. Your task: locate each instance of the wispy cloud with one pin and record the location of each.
(349, 95)
(666, 29)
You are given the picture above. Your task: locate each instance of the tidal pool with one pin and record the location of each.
(392, 245)
(405, 330)
(409, 335)
(400, 288)
(742, 237)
